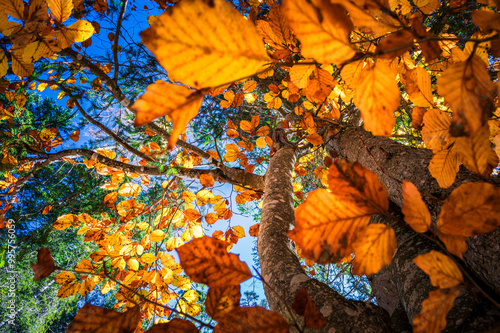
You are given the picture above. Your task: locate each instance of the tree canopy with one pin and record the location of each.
(364, 132)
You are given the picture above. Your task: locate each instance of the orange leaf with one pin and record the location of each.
(199, 54)
(14, 8)
(467, 87)
(323, 32)
(191, 214)
(46, 209)
(377, 97)
(325, 226)
(436, 130)
(44, 266)
(129, 190)
(427, 6)
(432, 318)
(178, 102)
(254, 230)
(207, 180)
(476, 152)
(252, 319)
(75, 136)
(60, 9)
(66, 221)
(373, 249)
(444, 166)
(211, 218)
(414, 209)
(205, 260)
(315, 139)
(454, 244)
(95, 319)
(176, 325)
(352, 181)
(222, 300)
(442, 271)
(471, 209)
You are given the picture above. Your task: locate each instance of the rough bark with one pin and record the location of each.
(393, 163)
(281, 271)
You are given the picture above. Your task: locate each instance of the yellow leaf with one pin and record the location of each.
(414, 209)
(157, 236)
(86, 287)
(444, 166)
(323, 32)
(191, 296)
(14, 8)
(232, 152)
(188, 196)
(325, 226)
(377, 97)
(66, 221)
(432, 317)
(299, 74)
(7, 27)
(213, 43)
(442, 271)
(60, 9)
(148, 258)
(467, 87)
(129, 190)
(476, 151)
(64, 278)
(249, 86)
(239, 231)
(79, 31)
(373, 249)
(471, 209)
(67, 290)
(261, 142)
(178, 102)
(133, 264)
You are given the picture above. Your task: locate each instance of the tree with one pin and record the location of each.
(409, 192)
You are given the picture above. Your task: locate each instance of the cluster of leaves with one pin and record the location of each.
(321, 62)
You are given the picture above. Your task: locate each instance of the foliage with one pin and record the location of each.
(291, 74)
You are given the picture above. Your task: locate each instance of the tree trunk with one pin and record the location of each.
(393, 163)
(281, 271)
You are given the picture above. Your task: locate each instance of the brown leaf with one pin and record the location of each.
(205, 260)
(487, 20)
(377, 97)
(454, 244)
(442, 271)
(44, 266)
(176, 325)
(414, 209)
(14, 8)
(393, 45)
(436, 131)
(96, 319)
(374, 249)
(252, 319)
(432, 318)
(471, 209)
(303, 305)
(161, 98)
(222, 300)
(476, 152)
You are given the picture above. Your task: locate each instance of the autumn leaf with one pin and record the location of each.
(252, 319)
(303, 305)
(60, 9)
(467, 87)
(213, 43)
(161, 98)
(476, 152)
(435, 132)
(377, 97)
(14, 8)
(432, 318)
(326, 226)
(444, 166)
(414, 209)
(64, 278)
(206, 180)
(249, 126)
(442, 271)
(222, 300)
(471, 209)
(374, 249)
(4, 63)
(323, 32)
(77, 32)
(315, 139)
(129, 190)
(44, 266)
(352, 181)
(454, 244)
(157, 236)
(91, 318)
(75, 136)
(176, 325)
(427, 6)
(205, 260)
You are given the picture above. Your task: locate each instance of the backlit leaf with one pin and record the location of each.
(374, 248)
(325, 226)
(432, 318)
(444, 166)
(205, 43)
(157, 236)
(205, 260)
(476, 151)
(323, 32)
(414, 209)
(377, 97)
(471, 209)
(161, 98)
(222, 300)
(60, 9)
(442, 271)
(129, 190)
(207, 180)
(435, 132)
(14, 8)
(91, 318)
